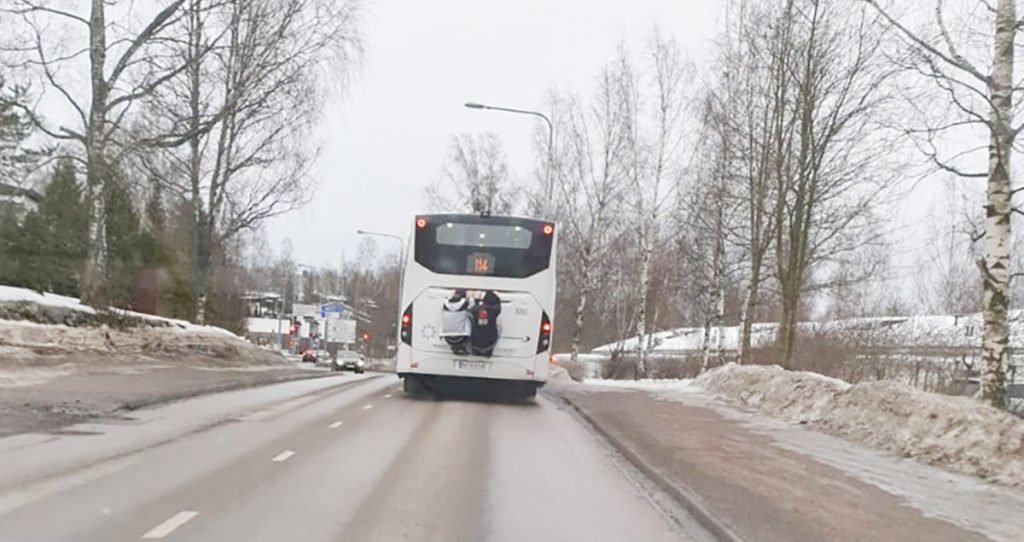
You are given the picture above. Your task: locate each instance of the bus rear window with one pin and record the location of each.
(496, 246)
(483, 236)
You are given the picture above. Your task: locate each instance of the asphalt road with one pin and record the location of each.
(346, 458)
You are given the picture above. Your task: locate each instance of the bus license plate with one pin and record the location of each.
(472, 365)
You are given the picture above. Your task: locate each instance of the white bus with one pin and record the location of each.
(466, 266)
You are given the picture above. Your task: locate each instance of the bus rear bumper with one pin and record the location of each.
(474, 367)
(417, 384)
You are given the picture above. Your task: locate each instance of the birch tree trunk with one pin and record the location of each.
(962, 82)
(641, 317)
(194, 60)
(581, 307)
(747, 323)
(94, 275)
(716, 304)
(995, 264)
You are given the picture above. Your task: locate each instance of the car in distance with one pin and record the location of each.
(348, 360)
(309, 356)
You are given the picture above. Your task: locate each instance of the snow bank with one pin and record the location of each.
(649, 384)
(23, 296)
(958, 433)
(797, 396)
(26, 341)
(556, 372)
(33, 353)
(11, 293)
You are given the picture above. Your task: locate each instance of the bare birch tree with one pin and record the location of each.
(750, 114)
(654, 99)
(588, 185)
(475, 179)
(710, 211)
(969, 57)
(256, 73)
(118, 77)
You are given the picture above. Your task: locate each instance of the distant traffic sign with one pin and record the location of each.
(329, 308)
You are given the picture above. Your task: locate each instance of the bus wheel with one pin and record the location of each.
(526, 392)
(413, 386)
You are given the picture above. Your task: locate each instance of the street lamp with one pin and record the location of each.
(551, 141)
(401, 243)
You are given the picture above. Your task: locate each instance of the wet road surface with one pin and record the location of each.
(348, 458)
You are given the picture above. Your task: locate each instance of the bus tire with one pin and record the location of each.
(413, 386)
(526, 392)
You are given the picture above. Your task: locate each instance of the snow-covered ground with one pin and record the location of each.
(11, 293)
(904, 331)
(647, 384)
(957, 433)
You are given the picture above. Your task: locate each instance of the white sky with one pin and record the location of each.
(387, 139)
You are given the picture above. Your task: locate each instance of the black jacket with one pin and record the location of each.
(485, 324)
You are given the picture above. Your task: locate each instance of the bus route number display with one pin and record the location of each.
(480, 263)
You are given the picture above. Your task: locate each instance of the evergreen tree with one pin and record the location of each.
(16, 126)
(10, 229)
(153, 237)
(66, 222)
(124, 257)
(24, 252)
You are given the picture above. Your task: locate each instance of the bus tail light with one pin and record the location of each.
(421, 223)
(545, 333)
(407, 326)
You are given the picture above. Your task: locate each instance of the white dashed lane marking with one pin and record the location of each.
(334, 425)
(367, 407)
(167, 527)
(283, 456)
(387, 396)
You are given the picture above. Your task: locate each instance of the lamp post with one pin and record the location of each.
(401, 243)
(548, 189)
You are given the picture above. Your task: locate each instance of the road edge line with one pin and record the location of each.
(683, 495)
(174, 397)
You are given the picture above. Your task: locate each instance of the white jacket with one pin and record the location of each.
(456, 321)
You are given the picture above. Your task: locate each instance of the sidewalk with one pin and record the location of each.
(764, 480)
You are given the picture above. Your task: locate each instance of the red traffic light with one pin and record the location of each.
(366, 337)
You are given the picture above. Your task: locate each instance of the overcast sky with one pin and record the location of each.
(387, 138)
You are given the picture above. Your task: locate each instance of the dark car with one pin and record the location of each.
(348, 360)
(309, 356)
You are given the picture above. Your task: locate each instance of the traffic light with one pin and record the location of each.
(294, 328)
(366, 337)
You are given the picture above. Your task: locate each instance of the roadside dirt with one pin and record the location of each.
(51, 405)
(758, 490)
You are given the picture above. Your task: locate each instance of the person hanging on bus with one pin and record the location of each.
(485, 324)
(457, 322)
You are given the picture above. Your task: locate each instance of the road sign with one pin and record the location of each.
(341, 331)
(329, 308)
